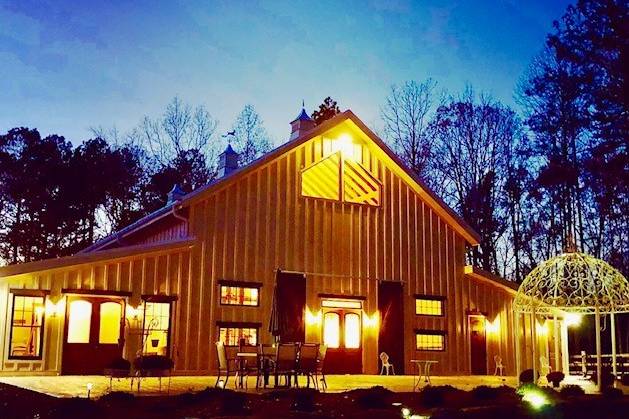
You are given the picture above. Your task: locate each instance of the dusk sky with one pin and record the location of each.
(70, 65)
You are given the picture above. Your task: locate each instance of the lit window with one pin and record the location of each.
(156, 327)
(354, 183)
(79, 321)
(342, 303)
(352, 330)
(429, 306)
(239, 296)
(109, 329)
(321, 180)
(27, 322)
(331, 330)
(430, 341)
(233, 335)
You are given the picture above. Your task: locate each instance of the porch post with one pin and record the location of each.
(534, 337)
(565, 354)
(613, 330)
(599, 361)
(518, 361)
(556, 342)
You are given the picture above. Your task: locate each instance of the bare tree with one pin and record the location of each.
(180, 129)
(406, 115)
(250, 137)
(475, 145)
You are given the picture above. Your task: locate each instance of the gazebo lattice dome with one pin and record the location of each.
(573, 283)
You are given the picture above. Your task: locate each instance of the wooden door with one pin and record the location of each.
(391, 331)
(478, 345)
(342, 334)
(93, 334)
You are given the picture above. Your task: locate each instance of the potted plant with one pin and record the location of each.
(555, 377)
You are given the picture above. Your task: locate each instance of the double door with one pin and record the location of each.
(342, 335)
(93, 334)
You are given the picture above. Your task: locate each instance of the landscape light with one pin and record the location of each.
(573, 319)
(406, 412)
(536, 398)
(221, 384)
(89, 389)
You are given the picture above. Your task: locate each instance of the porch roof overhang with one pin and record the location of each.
(82, 258)
(482, 275)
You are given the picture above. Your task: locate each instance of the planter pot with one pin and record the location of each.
(154, 342)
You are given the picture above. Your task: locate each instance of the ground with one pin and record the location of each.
(190, 398)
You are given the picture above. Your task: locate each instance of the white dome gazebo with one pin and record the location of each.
(568, 284)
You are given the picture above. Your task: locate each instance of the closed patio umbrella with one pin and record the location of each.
(276, 325)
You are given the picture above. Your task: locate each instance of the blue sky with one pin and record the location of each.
(70, 65)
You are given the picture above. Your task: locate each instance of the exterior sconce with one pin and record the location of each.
(372, 321)
(133, 313)
(345, 145)
(51, 309)
(542, 328)
(493, 327)
(313, 319)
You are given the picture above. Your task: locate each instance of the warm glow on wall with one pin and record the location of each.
(133, 313)
(542, 328)
(372, 321)
(51, 309)
(492, 327)
(573, 319)
(345, 145)
(313, 319)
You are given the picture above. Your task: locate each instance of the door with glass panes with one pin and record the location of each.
(342, 326)
(93, 334)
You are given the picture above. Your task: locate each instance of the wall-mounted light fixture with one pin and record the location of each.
(372, 321)
(313, 319)
(51, 308)
(133, 313)
(541, 328)
(573, 319)
(493, 327)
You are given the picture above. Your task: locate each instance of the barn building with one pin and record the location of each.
(330, 227)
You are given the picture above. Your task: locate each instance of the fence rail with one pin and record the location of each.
(586, 364)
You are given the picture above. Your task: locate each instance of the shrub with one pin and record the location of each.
(119, 364)
(607, 377)
(117, 398)
(233, 403)
(555, 377)
(447, 413)
(527, 376)
(612, 393)
(303, 399)
(372, 398)
(153, 362)
(434, 396)
(485, 392)
(571, 390)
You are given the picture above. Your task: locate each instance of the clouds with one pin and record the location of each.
(71, 65)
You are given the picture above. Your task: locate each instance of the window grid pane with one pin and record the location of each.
(428, 307)
(241, 296)
(232, 335)
(156, 327)
(26, 327)
(430, 342)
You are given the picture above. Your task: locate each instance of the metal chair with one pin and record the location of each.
(499, 366)
(223, 365)
(386, 365)
(286, 361)
(307, 364)
(323, 349)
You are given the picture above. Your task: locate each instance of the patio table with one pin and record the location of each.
(422, 370)
(242, 359)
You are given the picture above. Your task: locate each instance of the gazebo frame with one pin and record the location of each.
(571, 283)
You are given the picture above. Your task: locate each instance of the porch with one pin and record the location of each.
(76, 386)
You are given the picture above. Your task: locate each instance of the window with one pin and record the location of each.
(429, 305)
(352, 330)
(27, 322)
(110, 318)
(79, 321)
(231, 335)
(342, 303)
(430, 340)
(339, 178)
(156, 329)
(239, 295)
(331, 329)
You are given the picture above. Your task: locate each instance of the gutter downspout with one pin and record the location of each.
(174, 211)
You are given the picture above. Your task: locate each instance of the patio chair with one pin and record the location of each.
(307, 365)
(286, 362)
(386, 365)
(499, 366)
(323, 349)
(266, 359)
(223, 365)
(249, 366)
